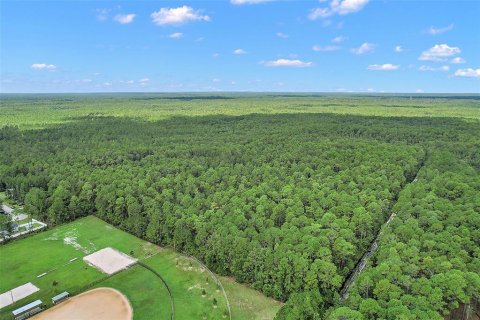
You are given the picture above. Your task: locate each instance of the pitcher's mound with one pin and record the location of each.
(98, 304)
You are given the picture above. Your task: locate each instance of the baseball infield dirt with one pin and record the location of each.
(98, 304)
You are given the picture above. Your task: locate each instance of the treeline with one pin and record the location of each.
(287, 203)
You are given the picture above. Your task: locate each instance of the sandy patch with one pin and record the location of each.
(9, 297)
(109, 260)
(187, 264)
(70, 238)
(98, 304)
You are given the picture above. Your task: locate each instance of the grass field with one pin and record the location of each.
(38, 111)
(51, 251)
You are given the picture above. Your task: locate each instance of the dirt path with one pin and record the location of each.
(373, 247)
(98, 304)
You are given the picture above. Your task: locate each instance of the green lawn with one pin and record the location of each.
(23, 260)
(147, 295)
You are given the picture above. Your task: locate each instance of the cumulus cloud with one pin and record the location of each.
(175, 35)
(177, 16)
(125, 18)
(457, 60)
(434, 31)
(325, 48)
(339, 39)
(340, 7)
(398, 49)
(383, 67)
(239, 51)
(282, 35)
(469, 73)
(364, 48)
(287, 63)
(430, 68)
(43, 66)
(248, 1)
(439, 52)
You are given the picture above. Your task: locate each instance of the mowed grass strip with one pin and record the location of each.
(247, 303)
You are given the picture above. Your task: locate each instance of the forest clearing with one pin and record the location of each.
(147, 294)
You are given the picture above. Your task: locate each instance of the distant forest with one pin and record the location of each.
(287, 203)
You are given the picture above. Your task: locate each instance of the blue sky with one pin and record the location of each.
(240, 45)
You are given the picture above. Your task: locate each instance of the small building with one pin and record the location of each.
(60, 297)
(28, 310)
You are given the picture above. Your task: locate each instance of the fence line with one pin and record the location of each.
(172, 304)
(217, 281)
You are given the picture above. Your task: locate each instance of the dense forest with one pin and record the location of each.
(285, 202)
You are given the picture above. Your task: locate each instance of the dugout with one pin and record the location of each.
(60, 297)
(27, 310)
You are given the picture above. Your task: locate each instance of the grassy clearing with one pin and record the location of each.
(23, 260)
(248, 303)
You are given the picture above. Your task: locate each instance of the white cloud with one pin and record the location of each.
(248, 1)
(325, 48)
(341, 7)
(216, 55)
(177, 16)
(216, 80)
(419, 91)
(383, 67)
(364, 48)
(282, 35)
(339, 39)
(439, 52)
(430, 68)
(43, 66)
(319, 13)
(175, 35)
(398, 49)
(287, 63)
(125, 18)
(86, 80)
(239, 51)
(469, 73)
(457, 60)
(107, 84)
(102, 14)
(434, 31)
(144, 80)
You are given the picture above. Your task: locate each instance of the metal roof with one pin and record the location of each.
(60, 296)
(27, 307)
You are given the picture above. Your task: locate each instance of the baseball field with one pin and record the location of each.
(62, 259)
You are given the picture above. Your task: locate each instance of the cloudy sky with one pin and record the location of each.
(240, 45)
